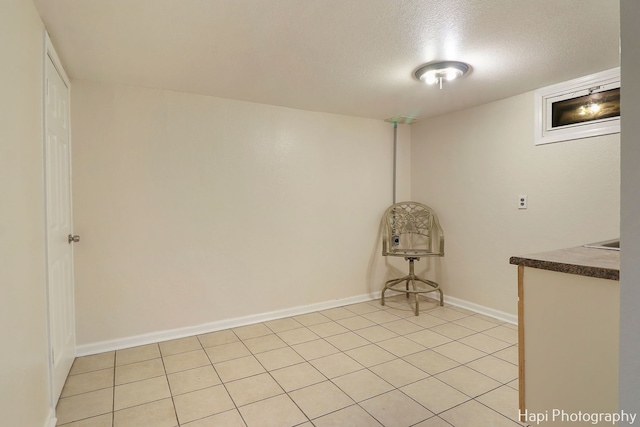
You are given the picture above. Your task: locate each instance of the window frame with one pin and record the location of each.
(545, 133)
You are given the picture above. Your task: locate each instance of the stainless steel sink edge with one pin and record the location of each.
(611, 245)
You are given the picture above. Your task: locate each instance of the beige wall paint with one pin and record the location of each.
(24, 397)
(470, 166)
(195, 209)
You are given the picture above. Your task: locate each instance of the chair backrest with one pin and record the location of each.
(412, 229)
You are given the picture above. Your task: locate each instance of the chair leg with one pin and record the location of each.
(415, 297)
(411, 275)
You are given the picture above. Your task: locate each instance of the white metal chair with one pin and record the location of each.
(412, 230)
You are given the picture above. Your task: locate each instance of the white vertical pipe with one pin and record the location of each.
(395, 158)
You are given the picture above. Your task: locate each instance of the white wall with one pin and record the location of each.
(195, 209)
(470, 166)
(24, 397)
(630, 210)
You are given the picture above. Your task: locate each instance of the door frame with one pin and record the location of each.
(49, 52)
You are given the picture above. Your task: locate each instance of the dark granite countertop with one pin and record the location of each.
(592, 262)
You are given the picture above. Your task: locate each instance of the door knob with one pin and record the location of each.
(74, 239)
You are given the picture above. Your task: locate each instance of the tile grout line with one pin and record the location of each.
(222, 383)
(173, 402)
(276, 381)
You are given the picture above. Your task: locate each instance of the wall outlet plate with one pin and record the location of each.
(522, 201)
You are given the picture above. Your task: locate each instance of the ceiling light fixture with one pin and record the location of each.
(436, 72)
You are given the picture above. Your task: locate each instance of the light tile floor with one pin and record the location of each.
(357, 365)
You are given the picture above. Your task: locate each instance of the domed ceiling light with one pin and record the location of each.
(437, 72)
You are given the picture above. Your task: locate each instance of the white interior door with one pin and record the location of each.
(59, 223)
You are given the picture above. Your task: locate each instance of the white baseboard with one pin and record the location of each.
(153, 337)
(481, 309)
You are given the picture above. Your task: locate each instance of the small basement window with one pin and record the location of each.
(580, 108)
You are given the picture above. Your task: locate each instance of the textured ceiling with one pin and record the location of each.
(353, 57)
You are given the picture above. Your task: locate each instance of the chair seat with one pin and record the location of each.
(411, 252)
